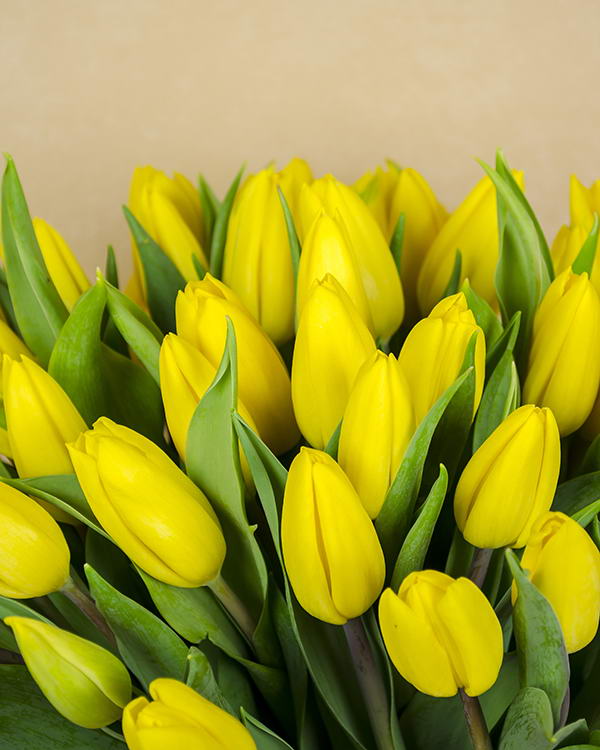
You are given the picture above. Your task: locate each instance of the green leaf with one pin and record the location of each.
(209, 205)
(485, 317)
(38, 308)
(148, 646)
(231, 678)
(543, 660)
(394, 519)
(138, 330)
(528, 723)
(111, 271)
(213, 463)
(295, 248)
(577, 493)
(219, 237)
(29, 722)
(163, 279)
(453, 285)
(201, 677)
(584, 262)
(415, 546)
(6, 304)
(506, 340)
(195, 614)
(115, 567)
(264, 738)
(334, 441)
(586, 515)
(397, 241)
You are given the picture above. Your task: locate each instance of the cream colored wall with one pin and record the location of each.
(90, 89)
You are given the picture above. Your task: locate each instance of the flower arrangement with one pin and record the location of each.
(324, 474)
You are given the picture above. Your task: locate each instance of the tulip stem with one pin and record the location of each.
(478, 731)
(480, 565)
(234, 605)
(370, 681)
(85, 604)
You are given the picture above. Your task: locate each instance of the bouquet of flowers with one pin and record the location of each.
(323, 474)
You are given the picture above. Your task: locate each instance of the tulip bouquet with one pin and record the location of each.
(324, 474)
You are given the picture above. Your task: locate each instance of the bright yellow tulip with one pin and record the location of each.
(178, 716)
(332, 555)
(510, 480)
(150, 508)
(376, 188)
(441, 634)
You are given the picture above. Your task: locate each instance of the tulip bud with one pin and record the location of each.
(291, 179)
(331, 551)
(263, 380)
(510, 480)
(564, 564)
(34, 557)
(257, 263)
(584, 202)
(83, 681)
(441, 634)
(169, 210)
(10, 343)
(149, 507)
(65, 272)
(377, 426)
(327, 249)
(433, 353)
(40, 419)
(473, 229)
(378, 272)
(178, 716)
(564, 359)
(185, 376)
(332, 344)
(376, 188)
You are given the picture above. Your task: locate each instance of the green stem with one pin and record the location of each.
(370, 681)
(478, 732)
(480, 565)
(234, 605)
(112, 733)
(86, 605)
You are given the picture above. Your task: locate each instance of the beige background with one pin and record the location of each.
(92, 88)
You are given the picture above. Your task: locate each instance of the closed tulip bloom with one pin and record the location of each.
(291, 179)
(149, 507)
(263, 380)
(473, 229)
(83, 681)
(40, 419)
(377, 426)
(257, 263)
(378, 271)
(564, 359)
(178, 716)
(169, 210)
(441, 634)
(510, 480)
(433, 353)
(63, 268)
(376, 188)
(11, 345)
(331, 551)
(327, 249)
(584, 202)
(34, 557)
(185, 376)
(564, 564)
(331, 346)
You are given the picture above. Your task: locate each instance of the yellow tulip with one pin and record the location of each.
(377, 426)
(332, 344)
(441, 634)
(376, 188)
(169, 210)
(257, 263)
(327, 249)
(378, 271)
(473, 229)
(178, 716)
(291, 179)
(40, 419)
(11, 345)
(564, 564)
(83, 681)
(185, 376)
(433, 353)
(149, 507)
(263, 380)
(564, 359)
(332, 555)
(584, 202)
(34, 557)
(510, 480)
(65, 272)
